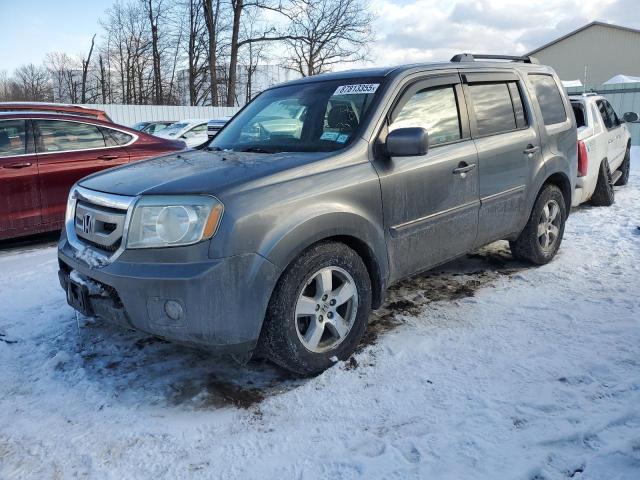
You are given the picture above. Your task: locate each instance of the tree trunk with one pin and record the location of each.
(233, 58)
(157, 73)
(85, 70)
(211, 19)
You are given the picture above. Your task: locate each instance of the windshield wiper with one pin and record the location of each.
(255, 150)
(214, 149)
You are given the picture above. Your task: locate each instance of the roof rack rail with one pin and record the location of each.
(470, 57)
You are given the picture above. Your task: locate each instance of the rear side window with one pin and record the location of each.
(579, 113)
(12, 138)
(494, 109)
(612, 114)
(61, 136)
(115, 138)
(434, 109)
(604, 113)
(549, 98)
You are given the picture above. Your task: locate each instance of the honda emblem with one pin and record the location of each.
(87, 226)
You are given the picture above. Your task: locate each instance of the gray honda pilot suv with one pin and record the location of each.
(281, 235)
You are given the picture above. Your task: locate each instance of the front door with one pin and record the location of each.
(430, 202)
(508, 151)
(67, 151)
(19, 197)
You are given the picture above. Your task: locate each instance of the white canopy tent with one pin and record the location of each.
(622, 79)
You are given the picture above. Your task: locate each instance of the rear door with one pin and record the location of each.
(508, 150)
(430, 202)
(67, 151)
(19, 197)
(611, 130)
(619, 146)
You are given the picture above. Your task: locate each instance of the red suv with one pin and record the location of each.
(44, 152)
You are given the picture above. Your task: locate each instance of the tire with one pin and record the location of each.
(624, 168)
(300, 308)
(603, 195)
(546, 221)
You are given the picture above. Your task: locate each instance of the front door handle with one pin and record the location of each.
(531, 149)
(463, 168)
(17, 165)
(108, 157)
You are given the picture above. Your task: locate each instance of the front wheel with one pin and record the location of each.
(540, 239)
(319, 309)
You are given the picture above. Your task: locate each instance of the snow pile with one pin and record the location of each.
(483, 369)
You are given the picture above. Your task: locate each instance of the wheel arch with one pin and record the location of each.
(348, 228)
(560, 180)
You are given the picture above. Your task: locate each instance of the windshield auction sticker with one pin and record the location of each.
(356, 89)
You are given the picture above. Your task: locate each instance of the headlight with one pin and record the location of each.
(168, 221)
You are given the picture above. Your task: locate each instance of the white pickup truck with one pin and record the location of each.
(604, 145)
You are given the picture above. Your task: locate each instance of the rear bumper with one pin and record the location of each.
(223, 301)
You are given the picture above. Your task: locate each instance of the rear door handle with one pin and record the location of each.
(530, 149)
(18, 165)
(610, 140)
(108, 157)
(463, 168)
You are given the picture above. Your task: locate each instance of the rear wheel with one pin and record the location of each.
(541, 237)
(319, 309)
(624, 169)
(603, 195)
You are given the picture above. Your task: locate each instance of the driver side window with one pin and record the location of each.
(434, 109)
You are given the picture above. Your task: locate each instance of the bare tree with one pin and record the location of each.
(31, 83)
(64, 72)
(324, 33)
(85, 70)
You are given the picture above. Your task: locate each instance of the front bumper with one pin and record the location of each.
(223, 301)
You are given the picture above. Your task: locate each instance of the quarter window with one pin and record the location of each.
(494, 109)
(12, 138)
(549, 98)
(61, 136)
(114, 138)
(434, 109)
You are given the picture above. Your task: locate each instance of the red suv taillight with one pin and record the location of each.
(583, 160)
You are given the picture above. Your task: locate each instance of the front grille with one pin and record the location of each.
(98, 226)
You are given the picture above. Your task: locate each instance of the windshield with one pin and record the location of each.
(318, 116)
(139, 125)
(174, 129)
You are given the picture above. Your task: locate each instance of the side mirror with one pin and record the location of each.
(407, 142)
(630, 117)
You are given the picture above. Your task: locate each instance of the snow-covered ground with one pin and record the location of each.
(485, 369)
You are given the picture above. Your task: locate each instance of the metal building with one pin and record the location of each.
(593, 53)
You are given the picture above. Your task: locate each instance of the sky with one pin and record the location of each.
(405, 30)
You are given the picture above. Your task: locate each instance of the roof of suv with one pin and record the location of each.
(41, 107)
(398, 70)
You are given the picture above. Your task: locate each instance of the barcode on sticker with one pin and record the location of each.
(356, 89)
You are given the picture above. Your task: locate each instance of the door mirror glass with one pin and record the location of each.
(630, 117)
(407, 142)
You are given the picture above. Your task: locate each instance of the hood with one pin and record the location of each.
(194, 172)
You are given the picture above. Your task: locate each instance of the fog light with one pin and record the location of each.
(173, 309)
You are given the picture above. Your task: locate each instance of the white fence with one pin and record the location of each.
(130, 114)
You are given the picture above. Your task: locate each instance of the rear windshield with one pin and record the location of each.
(318, 116)
(580, 114)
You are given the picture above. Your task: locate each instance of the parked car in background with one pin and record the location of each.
(214, 126)
(604, 149)
(152, 128)
(42, 154)
(281, 241)
(54, 108)
(191, 131)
